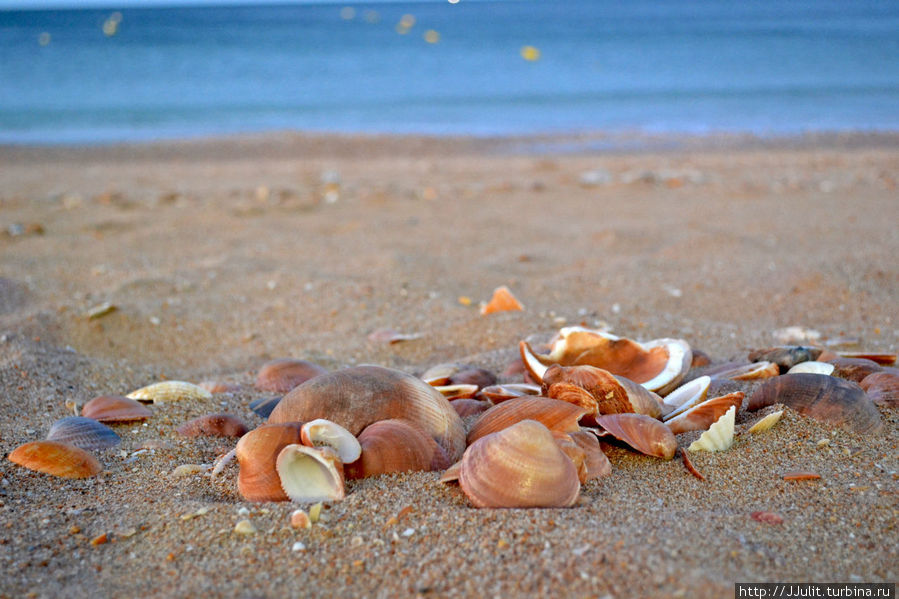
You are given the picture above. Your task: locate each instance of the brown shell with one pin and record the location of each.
(356, 397)
(257, 453)
(58, 459)
(552, 413)
(458, 391)
(214, 425)
(282, 375)
(500, 393)
(785, 356)
(646, 435)
(603, 392)
(115, 408)
(596, 462)
(473, 376)
(882, 388)
(575, 453)
(392, 445)
(82, 432)
(470, 407)
(517, 467)
(882, 359)
(854, 369)
(826, 398)
(701, 416)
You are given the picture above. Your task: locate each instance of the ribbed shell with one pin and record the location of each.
(115, 408)
(552, 413)
(646, 435)
(282, 375)
(167, 391)
(882, 388)
(518, 467)
(214, 425)
(470, 407)
(82, 432)
(392, 445)
(58, 459)
(257, 453)
(356, 397)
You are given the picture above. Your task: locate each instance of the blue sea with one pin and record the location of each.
(513, 67)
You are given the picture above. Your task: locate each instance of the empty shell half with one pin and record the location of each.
(282, 375)
(720, 435)
(324, 433)
(58, 459)
(115, 408)
(646, 435)
(82, 432)
(310, 474)
(167, 391)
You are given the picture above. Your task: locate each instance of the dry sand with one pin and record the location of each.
(221, 255)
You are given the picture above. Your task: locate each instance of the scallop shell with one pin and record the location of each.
(785, 356)
(702, 416)
(812, 367)
(58, 459)
(310, 474)
(282, 375)
(517, 467)
(324, 433)
(882, 388)
(502, 301)
(720, 435)
(552, 413)
(686, 396)
(646, 435)
(257, 453)
(767, 422)
(82, 432)
(167, 391)
(115, 408)
(599, 391)
(356, 397)
(826, 398)
(392, 445)
(214, 425)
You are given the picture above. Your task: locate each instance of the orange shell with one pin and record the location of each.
(600, 391)
(854, 369)
(214, 425)
(882, 388)
(597, 463)
(282, 375)
(58, 459)
(502, 301)
(257, 453)
(645, 434)
(552, 413)
(470, 407)
(392, 446)
(115, 408)
(701, 416)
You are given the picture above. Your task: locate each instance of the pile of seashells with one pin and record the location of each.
(526, 444)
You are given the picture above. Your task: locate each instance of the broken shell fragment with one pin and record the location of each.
(213, 425)
(826, 398)
(812, 367)
(440, 374)
(702, 416)
(115, 408)
(282, 375)
(882, 388)
(390, 446)
(257, 453)
(82, 432)
(767, 422)
(720, 435)
(167, 391)
(310, 474)
(518, 467)
(324, 433)
(646, 435)
(57, 459)
(502, 301)
(554, 414)
(685, 397)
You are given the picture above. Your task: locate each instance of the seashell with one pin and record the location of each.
(470, 407)
(719, 436)
(167, 391)
(58, 459)
(451, 474)
(854, 369)
(324, 433)
(704, 415)
(686, 396)
(813, 367)
(115, 408)
(658, 365)
(785, 356)
(596, 463)
(214, 425)
(264, 407)
(499, 393)
(502, 301)
(767, 422)
(882, 388)
(451, 392)
(356, 397)
(688, 464)
(801, 475)
(881, 359)
(743, 371)
(300, 519)
(575, 453)
(554, 414)
(826, 398)
(646, 435)
(700, 359)
(599, 391)
(517, 467)
(390, 446)
(257, 453)
(479, 377)
(218, 387)
(310, 474)
(439, 375)
(282, 375)
(82, 432)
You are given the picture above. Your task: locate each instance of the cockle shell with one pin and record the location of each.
(720, 435)
(646, 435)
(392, 445)
(599, 391)
(552, 413)
(167, 391)
(82, 432)
(685, 397)
(826, 398)
(214, 425)
(882, 388)
(785, 356)
(115, 408)
(310, 474)
(518, 467)
(58, 459)
(257, 453)
(282, 375)
(500, 393)
(324, 433)
(743, 371)
(356, 397)
(701, 416)
(502, 301)
(812, 367)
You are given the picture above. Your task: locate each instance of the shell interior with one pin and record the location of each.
(308, 475)
(686, 396)
(324, 433)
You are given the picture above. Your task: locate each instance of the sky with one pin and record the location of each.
(120, 4)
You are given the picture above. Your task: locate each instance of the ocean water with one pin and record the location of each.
(703, 66)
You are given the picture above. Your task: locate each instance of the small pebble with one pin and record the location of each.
(243, 512)
(298, 547)
(244, 527)
(300, 519)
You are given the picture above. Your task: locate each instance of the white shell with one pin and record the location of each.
(720, 435)
(169, 391)
(680, 357)
(309, 474)
(686, 396)
(324, 433)
(766, 422)
(813, 367)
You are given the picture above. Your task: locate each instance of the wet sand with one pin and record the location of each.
(221, 255)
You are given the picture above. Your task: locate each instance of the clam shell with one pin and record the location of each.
(826, 398)
(767, 422)
(854, 369)
(356, 397)
(115, 408)
(517, 467)
(575, 453)
(552, 413)
(785, 356)
(58, 459)
(703, 415)
(82, 432)
(167, 391)
(324, 433)
(686, 396)
(812, 367)
(470, 407)
(502, 301)
(599, 391)
(310, 474)
(500, 393)
(392, 445)
(882, 388)
(257, 453)
(720, 435)
(214, 425)
(282, 375)
(646, 435)
(595, 460)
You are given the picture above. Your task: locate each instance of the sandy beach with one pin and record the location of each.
(217, 256)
